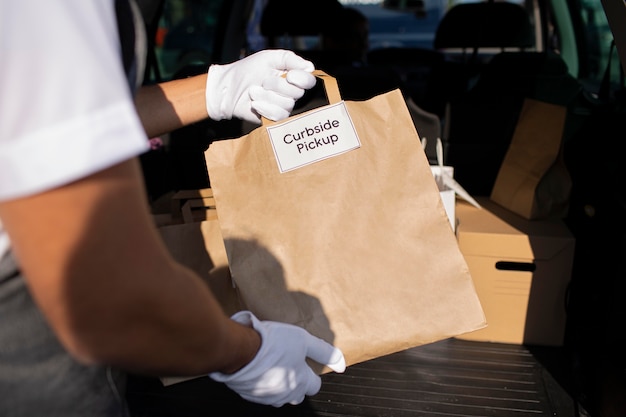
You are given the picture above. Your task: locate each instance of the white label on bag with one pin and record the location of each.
(318, 135)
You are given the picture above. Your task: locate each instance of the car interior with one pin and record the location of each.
(465, 69)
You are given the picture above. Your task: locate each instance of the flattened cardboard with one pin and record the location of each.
(448, 195)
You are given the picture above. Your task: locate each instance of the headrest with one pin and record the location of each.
(405, 56)
(540, 75)
(295, 18)
(484, 25)
(527, 64)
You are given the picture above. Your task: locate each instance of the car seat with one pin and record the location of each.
(468, 35)
(479, 125)
(415, 67)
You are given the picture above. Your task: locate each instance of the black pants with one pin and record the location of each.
(37, 376)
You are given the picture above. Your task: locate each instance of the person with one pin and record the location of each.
(88, 291)
(345, 35)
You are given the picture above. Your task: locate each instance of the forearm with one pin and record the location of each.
(99, 272)
(162, 322)
(171, 105)
(170, 324)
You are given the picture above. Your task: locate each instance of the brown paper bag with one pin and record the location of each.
(200, 247)
(533, 180)
(356, 248)
(192, 235)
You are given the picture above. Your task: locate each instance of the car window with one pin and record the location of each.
(580, 33)
(396, 28)
(389, 27)
(598, 40)
(185, 34)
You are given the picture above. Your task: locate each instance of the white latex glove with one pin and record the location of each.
(279, 374)
(255, 86)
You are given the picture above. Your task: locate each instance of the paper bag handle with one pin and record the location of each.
(330, 86)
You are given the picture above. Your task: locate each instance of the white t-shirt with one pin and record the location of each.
(65, 107)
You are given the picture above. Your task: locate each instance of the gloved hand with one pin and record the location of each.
(279, 374)
(255, 86)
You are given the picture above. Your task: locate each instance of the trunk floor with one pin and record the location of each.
(448, 378)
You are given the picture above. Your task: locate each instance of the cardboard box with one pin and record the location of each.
(521, 269)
